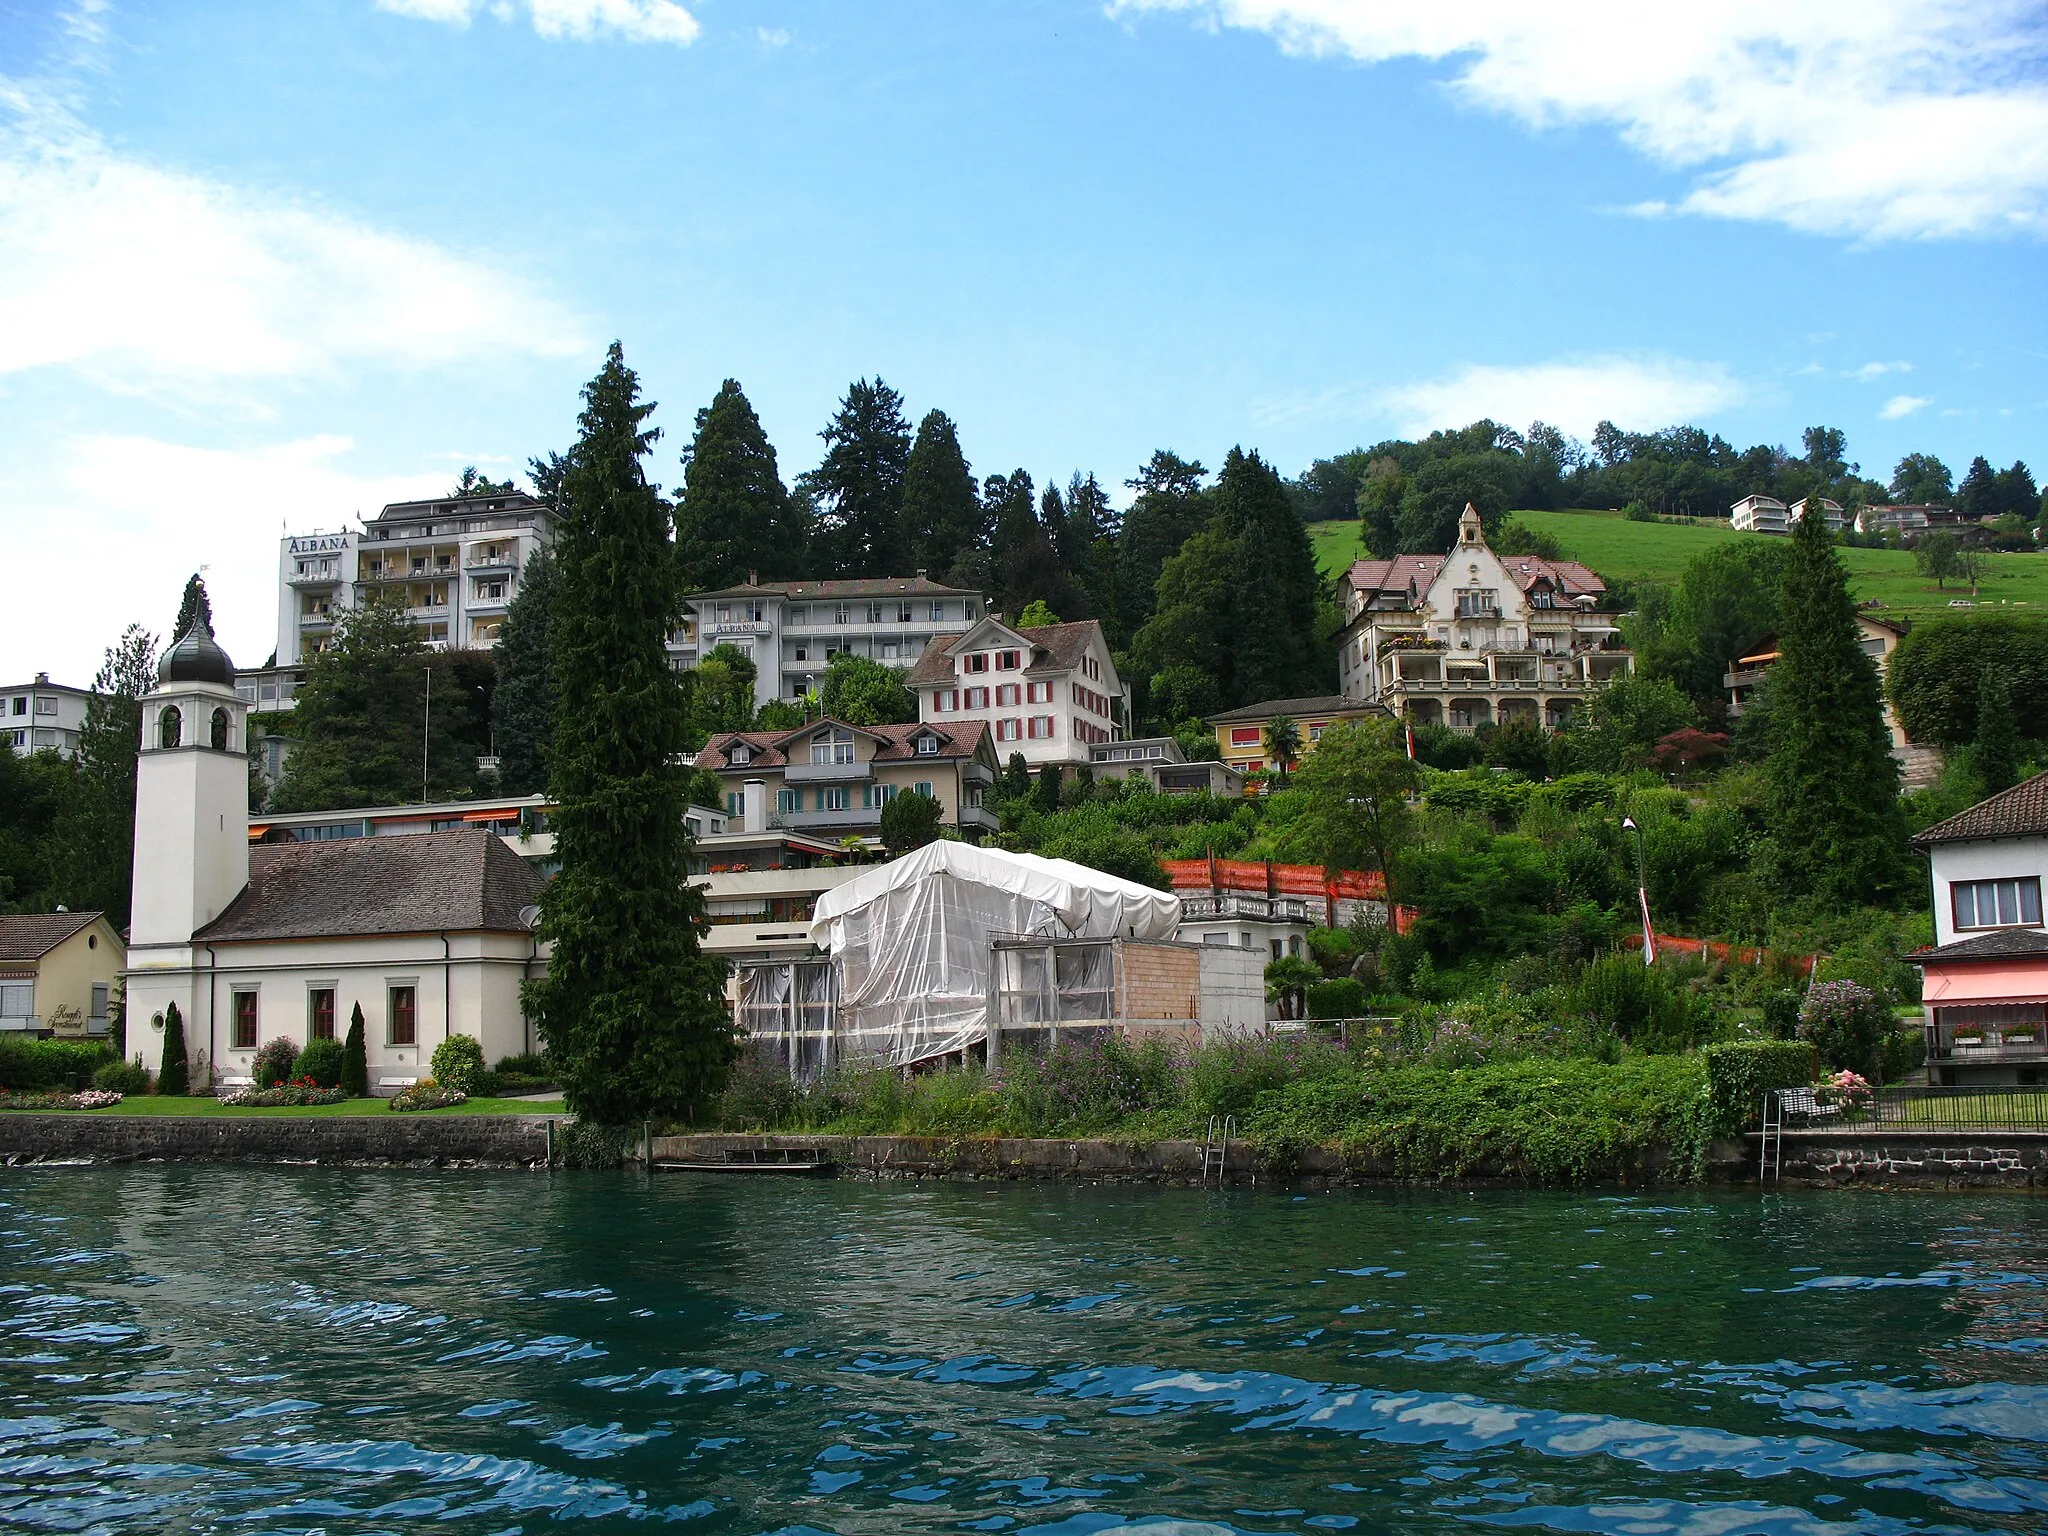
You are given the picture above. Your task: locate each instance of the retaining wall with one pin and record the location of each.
(470, 1141)
(1913, 1159)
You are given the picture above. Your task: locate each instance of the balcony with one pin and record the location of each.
(321, 620)
(976, 773)
(827, 773)
(858, 818)
(978, 818)
(504, 560)
(310, 579)
(1257, 909)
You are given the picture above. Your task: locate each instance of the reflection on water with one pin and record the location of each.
(329, 1350)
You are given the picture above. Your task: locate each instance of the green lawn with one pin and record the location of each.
(1622, 550)
(213, 1109)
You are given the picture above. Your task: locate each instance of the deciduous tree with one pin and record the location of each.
(862, 691)
(1357, 783)
(631, 1008)
(1996, 752)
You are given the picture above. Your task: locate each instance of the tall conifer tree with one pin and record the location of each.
(1996, 752)
(733, 516)
(173, 1072)
(1834, 785)
(942, 518)
(194, 605)
(523, 705)
(99, 830)
(1169, 509)
(858, 489)
(631, 1007)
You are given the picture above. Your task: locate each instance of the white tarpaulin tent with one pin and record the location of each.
(910, 938)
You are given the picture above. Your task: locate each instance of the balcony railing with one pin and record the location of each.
(827, 773)
(853, 819)
(1260, 909)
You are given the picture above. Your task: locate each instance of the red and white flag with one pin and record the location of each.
(1649, 935)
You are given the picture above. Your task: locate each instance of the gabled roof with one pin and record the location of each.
(32, 935)
(1051, 645)
(1568, 576)
(1394, 575)
(2004, 944)
(463, 881)
(893, 743)
(878, 586)
(1294, 709)
(2021, 811)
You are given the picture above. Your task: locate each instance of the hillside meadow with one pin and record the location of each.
(1621, 550)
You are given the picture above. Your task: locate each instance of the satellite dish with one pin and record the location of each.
(529, 916)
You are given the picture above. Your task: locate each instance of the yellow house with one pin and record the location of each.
(57, 972)
(1241, 732)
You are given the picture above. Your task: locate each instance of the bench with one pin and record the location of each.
(238, 1082)
(1800, 1104)
(398, 1082)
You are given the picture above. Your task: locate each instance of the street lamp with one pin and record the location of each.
(1628, 824)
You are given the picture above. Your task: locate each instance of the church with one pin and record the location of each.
(429, 934)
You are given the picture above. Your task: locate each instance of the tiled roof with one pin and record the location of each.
(2021, 811)
(880, 586)
(1395, 574)
(427, 882)
(1052, 645)
(32, 935)
(895, 743)
(1294, 709)
(1568, 576)
(2003, 944)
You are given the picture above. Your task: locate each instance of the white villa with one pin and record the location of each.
(1473, 637)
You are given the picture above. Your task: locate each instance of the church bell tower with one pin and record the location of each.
(191, 794)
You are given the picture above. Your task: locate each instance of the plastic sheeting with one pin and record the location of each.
(910, 939)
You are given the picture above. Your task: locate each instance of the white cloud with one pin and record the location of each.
(773, 37)
(1639, 393)
(637, 21)
(215, 507)
(1877, 119)
(1900, 406)
(141, 276)
(1871, 371)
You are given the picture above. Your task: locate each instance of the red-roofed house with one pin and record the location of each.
(1047, 694)
(831, 778)
(1474, 637)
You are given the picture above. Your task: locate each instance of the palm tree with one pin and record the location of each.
(1283, 743)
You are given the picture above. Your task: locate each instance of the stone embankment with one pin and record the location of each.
(1893, 1159)
(423, 1141)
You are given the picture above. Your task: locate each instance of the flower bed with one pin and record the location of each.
(426, 1094)
(300, 1093)
(91, 1098)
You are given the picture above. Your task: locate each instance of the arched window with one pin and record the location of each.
(170, 727)
(220, 730)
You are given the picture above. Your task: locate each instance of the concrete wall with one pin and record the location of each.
(1233, 990)
(1924, 1160)
(495, 1141)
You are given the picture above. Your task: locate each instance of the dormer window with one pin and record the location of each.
(833, 746)
(927, 746)
(741, 753)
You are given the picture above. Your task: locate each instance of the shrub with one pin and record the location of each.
(1741, 1072)
(173, 1075)
(425, 1094)
(758, 1096)
(527, 1064)
(1646, 1005)
(1079, 1086)
(67, 1065)
(293, 1095)
(1227, 1078)
(355, 1069)
(1846, 1023)
(274, 1059)
(1903, 1051)
(1338, 998)
(1781, 1014)
(458, 1064)
(323, 1061)
(122, 1077)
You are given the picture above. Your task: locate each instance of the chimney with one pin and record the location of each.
(42, 679)
(754, 805)
(920, 573)
(753, 578)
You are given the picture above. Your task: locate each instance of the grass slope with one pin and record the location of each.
(1621, 550)
(213, 1109)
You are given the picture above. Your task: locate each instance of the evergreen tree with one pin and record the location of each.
(631, 1008)
(1833, 803)
(858, 489)
(470, 483)
(523, 707)
(173, 1074)
(733, 517)
(99, 829)
(718, 695)
(910, 821)
(1996, 752)
(195, 605)
(1978, 495)
(362, 714)
(355, 1057)
(942, 517)
(1024, 565)
(1169, 509)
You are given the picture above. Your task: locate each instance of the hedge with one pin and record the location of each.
(1741, 1072)
(1341, 997)
(28, 1065)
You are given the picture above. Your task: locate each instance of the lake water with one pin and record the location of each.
(269, 1350)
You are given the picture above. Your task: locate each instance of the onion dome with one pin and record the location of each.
(196, 658)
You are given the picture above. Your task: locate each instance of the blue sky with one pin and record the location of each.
(267, 266)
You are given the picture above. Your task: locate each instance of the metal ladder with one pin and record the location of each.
(1770, 1161)
(1216, 1147)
